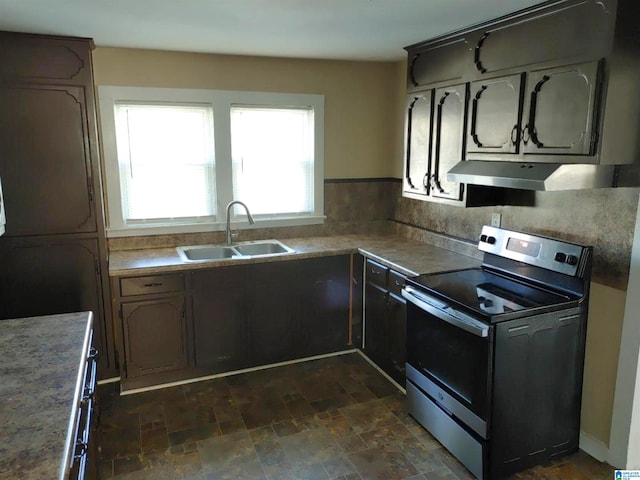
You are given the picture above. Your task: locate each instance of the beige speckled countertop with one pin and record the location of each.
(41, 371)
(404, 255)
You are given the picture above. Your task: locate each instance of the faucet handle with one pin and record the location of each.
(234, 235)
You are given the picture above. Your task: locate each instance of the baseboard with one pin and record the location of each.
(108, 380)
(594, 447)
(235, 372)
(382, 372)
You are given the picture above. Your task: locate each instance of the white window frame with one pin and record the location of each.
(221, 102)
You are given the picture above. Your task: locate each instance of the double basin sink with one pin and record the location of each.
(250, 249)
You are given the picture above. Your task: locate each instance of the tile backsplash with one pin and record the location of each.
(603, 218)
(357, 206)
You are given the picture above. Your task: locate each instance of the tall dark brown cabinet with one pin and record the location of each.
(53, 254)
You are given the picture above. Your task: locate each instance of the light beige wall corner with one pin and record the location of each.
(401, 95)
(360, 99)
(606, 313)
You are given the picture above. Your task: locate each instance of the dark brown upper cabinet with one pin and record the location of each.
(550, 34)
(434, 143)
(494, 115)
(442, 62)
(554, 114)
(448, 140)
(418, 143)
(45, 162)
(551, 83)
(435, 138)
(561, 110)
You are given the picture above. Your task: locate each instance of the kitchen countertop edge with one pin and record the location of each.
(407, 256)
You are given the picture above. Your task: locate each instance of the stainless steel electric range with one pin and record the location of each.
(495, 354)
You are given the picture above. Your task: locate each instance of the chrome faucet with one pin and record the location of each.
(228, 232)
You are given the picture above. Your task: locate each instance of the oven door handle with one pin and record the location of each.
(464, 322)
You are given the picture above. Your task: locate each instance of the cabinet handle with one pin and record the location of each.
(533, 105)
(525, 134)
(81, 450)
(425, 180)
(474, 116)
(435, 184)
(476, 53)
(153, 284)
(88, 394)
(514, 135)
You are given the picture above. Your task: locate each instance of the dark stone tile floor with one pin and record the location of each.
(335, 418)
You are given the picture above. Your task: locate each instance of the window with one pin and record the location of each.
(272, 151)
(161, 149)
(174, 158)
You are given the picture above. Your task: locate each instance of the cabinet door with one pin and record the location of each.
(45, 160)
(375, 323)
(444, 62)
(273, 329)
(397, 338)
(357, 298)
(155, 336)
(219, 315)
(561, 114)
(45, 276)
(323, 304)
(494, 115)
(418, 144)
(574, 29)
(450, 104)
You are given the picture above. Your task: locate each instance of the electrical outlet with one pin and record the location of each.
(496, 219)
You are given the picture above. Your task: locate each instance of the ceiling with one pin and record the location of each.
(327, 29)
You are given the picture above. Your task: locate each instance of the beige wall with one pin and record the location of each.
(360, 107)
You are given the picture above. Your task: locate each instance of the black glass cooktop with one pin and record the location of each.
(487, 293)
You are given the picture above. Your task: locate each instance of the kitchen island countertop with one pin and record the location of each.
(41, 370)
(402, 254)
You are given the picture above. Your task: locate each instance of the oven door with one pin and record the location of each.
(449, 358)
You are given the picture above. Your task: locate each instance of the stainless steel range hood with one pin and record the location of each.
(533, 176)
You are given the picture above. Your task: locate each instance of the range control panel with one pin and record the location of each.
(549, 253)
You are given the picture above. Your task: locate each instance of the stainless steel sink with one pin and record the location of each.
(262, 247)
(206, 252)
(250, 249)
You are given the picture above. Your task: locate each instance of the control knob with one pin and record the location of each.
(572, 260)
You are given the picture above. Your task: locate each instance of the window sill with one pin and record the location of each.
(167, 229)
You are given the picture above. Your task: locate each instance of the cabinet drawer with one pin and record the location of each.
(151, 284)
(396, 282)
(376, 274)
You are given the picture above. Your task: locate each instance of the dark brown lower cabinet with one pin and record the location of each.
(154, 333)
(177, 326)
(155, 336)
(357, 299)
(385, 320)
(49, 275)
(322, 288)
(397, 337)
(251, 315)
(375, 342)
(219, 318)
(273, 330)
